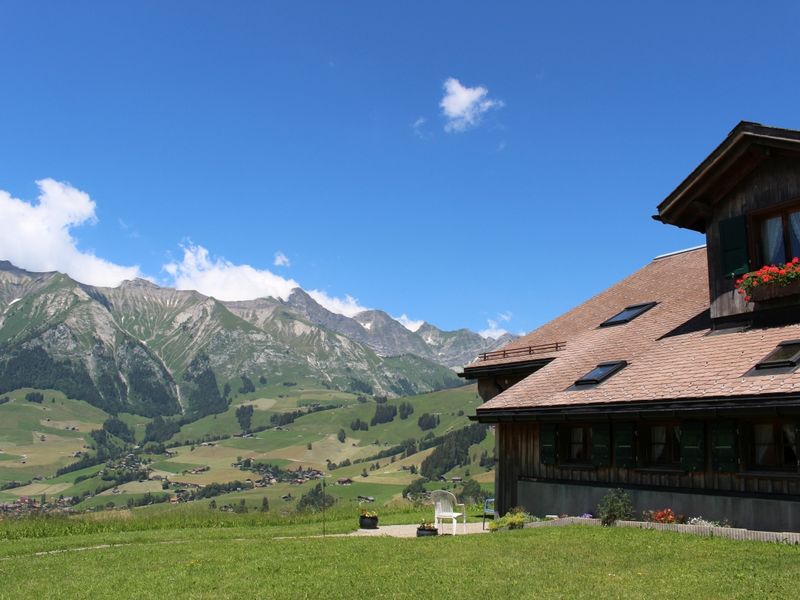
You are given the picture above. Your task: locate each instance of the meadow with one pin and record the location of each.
(194, 554)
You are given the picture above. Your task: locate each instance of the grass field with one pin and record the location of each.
(261, 556)
(38, 434)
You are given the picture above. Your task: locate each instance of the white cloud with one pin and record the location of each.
(281, 260)
(224, 280)
(347, 306)
(464, 106)
(408, 323)
(494, 330)
(38, 236)
(39, 239)
(417, 126)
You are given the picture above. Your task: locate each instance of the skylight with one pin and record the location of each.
(601, 372)
(627, 314)
(787, 354)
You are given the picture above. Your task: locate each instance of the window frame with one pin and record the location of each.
(611, 322)
(673, 446)
(754, 221)
(567, 444)
(585, 381)
(765, 364)
(779, 465)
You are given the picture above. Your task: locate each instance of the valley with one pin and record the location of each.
(378, 462)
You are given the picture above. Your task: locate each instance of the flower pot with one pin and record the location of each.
(771, 291)
(368, 522)
(426, 532)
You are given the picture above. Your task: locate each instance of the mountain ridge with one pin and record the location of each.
(153, 350)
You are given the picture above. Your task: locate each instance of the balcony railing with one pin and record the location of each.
(523, 351)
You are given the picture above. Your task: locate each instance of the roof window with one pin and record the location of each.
(787, 354)
(627, 314)
(601, 372)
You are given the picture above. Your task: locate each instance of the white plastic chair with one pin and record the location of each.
(444, 504)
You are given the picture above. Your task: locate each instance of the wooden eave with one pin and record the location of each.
(675, 407)
(514, 368)
(746, 147)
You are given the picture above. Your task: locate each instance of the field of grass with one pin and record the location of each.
(38, 434)
(201, 555)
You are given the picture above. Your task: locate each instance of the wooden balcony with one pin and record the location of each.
(523, 351)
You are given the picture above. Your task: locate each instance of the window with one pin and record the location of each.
(601, 372)
(628, 314)
(787, 354)
(778, 235)
(579, 438)
(663, 445)
(774, 446)
(576, 444)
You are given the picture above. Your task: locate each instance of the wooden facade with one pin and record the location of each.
(775, 182)
(519, 458)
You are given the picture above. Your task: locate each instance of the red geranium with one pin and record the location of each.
(781, 274)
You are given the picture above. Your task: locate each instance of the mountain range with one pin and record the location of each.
(154, 350)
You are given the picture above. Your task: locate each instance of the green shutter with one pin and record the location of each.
(624, 445)
(693, 456)
(601, 445)
(733, 246)
(547, 443)
(723, 447)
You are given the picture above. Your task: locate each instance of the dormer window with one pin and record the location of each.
(601, 372)
(628, 314)
(778, 235)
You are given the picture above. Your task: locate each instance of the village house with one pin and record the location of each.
(670, 384)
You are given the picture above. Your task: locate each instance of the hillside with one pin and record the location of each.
(207, 450)
(148, 350)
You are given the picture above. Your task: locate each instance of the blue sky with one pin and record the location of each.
(207, 137)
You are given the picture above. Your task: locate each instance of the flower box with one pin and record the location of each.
(773, 291)
(771, 282)
(367, 522)
(422, 532)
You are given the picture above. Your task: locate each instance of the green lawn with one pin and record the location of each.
(254, 560)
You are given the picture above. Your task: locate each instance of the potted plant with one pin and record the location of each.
(770, 282)
(426, 529)
(368, 519)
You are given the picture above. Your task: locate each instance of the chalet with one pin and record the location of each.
(670, 384)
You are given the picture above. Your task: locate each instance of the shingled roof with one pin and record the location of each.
(671, 352)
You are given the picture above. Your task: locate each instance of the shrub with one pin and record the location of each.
(315, 499)
(513, 519)
(616, 505)
(472, 492)
(665, 515)
(414, 488)
(36, 397)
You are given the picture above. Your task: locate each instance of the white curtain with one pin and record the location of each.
(772, 241)
(764, 443)
(794, 233)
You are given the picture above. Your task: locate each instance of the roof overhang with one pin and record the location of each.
(527, 366)
(746, 147)
(676, 407)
